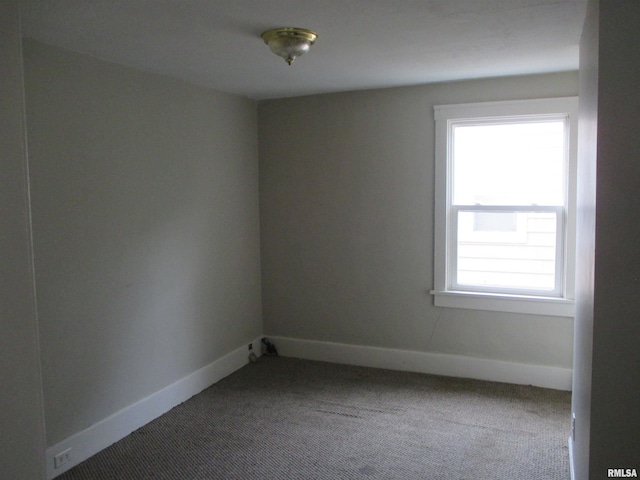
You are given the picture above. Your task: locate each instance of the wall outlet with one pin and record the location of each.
(250, 346)
(62, 458)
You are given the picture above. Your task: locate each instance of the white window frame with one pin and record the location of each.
(447, 293)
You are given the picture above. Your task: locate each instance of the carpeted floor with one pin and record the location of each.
(283, 418)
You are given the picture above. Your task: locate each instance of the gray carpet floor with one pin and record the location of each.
(283, 418)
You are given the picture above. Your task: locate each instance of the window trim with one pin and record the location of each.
(559, 304)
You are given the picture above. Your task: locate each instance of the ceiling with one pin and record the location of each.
(362, 44)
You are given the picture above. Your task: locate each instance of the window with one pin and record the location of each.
(505, 188)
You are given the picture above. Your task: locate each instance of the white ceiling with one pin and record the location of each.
(362, 43)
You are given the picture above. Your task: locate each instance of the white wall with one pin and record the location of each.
(347, 225)
(146, 231)
(21, 416)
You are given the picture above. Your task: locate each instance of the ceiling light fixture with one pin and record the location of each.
(288, 42)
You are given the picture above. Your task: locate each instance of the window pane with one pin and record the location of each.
(509, 164)
(523, 257)
(495, 221)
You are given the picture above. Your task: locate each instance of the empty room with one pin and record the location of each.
(311, 240)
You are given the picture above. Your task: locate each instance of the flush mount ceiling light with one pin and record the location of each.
(289, 43)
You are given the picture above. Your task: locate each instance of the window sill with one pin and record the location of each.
(560, 307)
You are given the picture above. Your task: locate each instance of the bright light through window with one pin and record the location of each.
(509, 164)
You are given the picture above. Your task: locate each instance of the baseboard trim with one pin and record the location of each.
(571, 468)
(423, 362)
(99, 436)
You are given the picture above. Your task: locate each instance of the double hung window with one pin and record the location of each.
(504, 230)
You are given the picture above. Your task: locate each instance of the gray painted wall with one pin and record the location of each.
(615, 388)
(21, 416)
(585, 226)
(606, 391)
(146, 231)
(346, 211)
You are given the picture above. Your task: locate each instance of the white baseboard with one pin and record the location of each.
(423, 362)
(97, 437)
(573, 475)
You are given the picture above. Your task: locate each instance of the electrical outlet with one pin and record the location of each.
(250, 346)
(62, 458)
